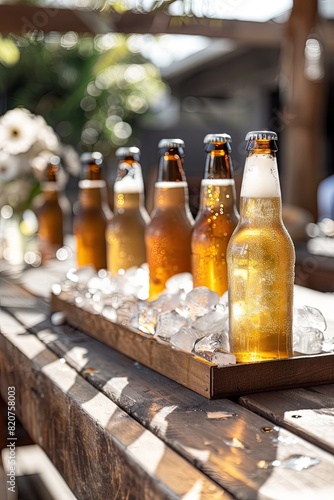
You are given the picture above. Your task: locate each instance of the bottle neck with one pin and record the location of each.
(218, 164)
(91, 193)
(50, 190)
(218, 195)
(171, 167)
(91, 171)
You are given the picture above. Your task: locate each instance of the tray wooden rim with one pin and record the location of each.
(192, 372)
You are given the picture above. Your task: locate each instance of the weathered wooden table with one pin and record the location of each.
(115, 429)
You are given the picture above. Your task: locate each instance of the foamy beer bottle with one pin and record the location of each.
(217, 216)
(260, 261)
(50, 214)
(126, 231)
(91, 216)
(168, 235)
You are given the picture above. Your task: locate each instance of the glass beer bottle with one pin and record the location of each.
(50, 214)
(217, 216)
(90, 219)
(91, 169)
(168, 235)
(260, 261)
(126, 231)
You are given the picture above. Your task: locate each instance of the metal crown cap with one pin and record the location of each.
(261, 134)
(127, 151)
(95, 157)
(171, 143)
(54, 160)
(211, 138)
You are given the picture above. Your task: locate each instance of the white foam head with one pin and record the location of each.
(170, 184)
(260, 179)
(88, 184)
(129, 185)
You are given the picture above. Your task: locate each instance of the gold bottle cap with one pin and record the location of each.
(212, 138)
(261, 134)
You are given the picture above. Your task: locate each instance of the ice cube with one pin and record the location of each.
(328, 344)
(221, 358)
(109, 312)
(168, 324)
(185, 338)
(182, 282)
(212, 322)
(80, 277)
(308, 317)
(135, 282)
(167, 302)
(144, 317)
(100, 281)
(200, 301)
(224, 299)
(308, 340)
(212, 342)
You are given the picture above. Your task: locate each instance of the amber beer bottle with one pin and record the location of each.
(260, 261)
(168, 235)
(126, 231)
(91, 216)
(217, 216)
(50, 214)
(91, 169)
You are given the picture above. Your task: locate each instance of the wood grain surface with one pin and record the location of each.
(234, 447)
(98, 448)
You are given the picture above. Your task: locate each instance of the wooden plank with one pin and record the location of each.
(199, 376)
(100, 450)
(219, 437)
(306, 412)
(20, 19)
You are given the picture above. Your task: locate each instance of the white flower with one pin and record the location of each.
(17, 131)
(9, 167)
(46, 139)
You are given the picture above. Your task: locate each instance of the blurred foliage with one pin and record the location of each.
(91, 90)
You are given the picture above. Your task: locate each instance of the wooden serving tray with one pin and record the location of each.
(196, 373)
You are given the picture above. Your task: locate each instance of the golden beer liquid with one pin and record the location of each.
(261, 276)
(89, 226)
(126, 232)
(168, 235)
(50, 220)
(213, 228)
